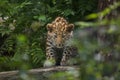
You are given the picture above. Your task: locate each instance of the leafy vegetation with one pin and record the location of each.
(28, 18)
(23, 36)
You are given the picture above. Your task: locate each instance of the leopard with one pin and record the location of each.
(58, 48)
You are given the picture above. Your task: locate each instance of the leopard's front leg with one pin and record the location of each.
(65, 57)
(50, 56)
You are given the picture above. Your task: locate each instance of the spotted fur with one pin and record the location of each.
(59, 34)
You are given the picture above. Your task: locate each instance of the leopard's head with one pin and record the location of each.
(59, 32)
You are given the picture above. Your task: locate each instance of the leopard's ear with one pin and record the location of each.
(70, 27)
(49, 27)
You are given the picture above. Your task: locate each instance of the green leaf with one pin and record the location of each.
(92, 16)
(68, 12)
(42, 18)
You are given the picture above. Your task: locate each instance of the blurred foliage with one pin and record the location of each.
(105, 12)
(23, 34)
(99, 46)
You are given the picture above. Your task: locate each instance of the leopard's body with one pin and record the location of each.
(59, 34)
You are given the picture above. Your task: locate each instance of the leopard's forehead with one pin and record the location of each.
(59, 24)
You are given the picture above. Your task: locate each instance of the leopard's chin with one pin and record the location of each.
(59, 47)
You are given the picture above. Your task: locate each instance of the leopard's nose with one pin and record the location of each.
(60, 45)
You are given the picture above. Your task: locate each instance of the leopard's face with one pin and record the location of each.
(60, 32)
